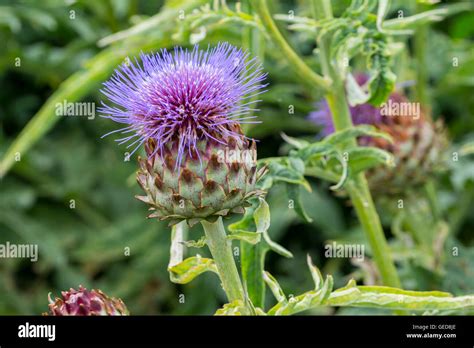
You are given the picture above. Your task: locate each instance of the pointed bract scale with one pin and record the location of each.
(83, 302)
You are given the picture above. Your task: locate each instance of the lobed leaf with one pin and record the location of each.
(186, 271)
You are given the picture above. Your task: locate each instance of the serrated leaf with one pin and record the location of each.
(305, 301)
(190, 268)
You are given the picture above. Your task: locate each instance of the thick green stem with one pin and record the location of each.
(335, 95)
(221, 250)
(358, 190)
(360, 194)
(370, 221)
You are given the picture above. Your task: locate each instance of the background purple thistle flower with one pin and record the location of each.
(361, 114)
(184, 97)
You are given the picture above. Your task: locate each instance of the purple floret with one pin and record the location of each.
(184, 97)
(361, 114)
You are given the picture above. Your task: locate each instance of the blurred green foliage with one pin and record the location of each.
(65, 49)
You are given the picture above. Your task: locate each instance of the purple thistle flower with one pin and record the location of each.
(184, 97)
(361, 114)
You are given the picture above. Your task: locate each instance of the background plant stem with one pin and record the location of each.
(299, 66)
(221, 250)
(358, 190)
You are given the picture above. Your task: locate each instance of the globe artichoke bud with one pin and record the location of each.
(187, 108)
(418, 143)
(85, 302)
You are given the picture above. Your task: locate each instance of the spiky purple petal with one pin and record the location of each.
(184, 96)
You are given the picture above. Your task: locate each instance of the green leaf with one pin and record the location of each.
(169, 13)
(363, 157)
(308, 299)
(342, 136)
(364, 296)
(190, 268)
(435, 15)
(294, 194)
(262, 220)
(298, 143)
(276, 247)
(315, 273)
(178, 232)
(355, 94)
(305, 301)
(286, 169)
(246, 223)
(262, 216)
(381, 86)
(344, 174)
(201, 242)
(467, 149)
(236, 307)
(251, 258)
(245, 236)
(315, 150)
(274, 287)
(384, 6)
(252, 262)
